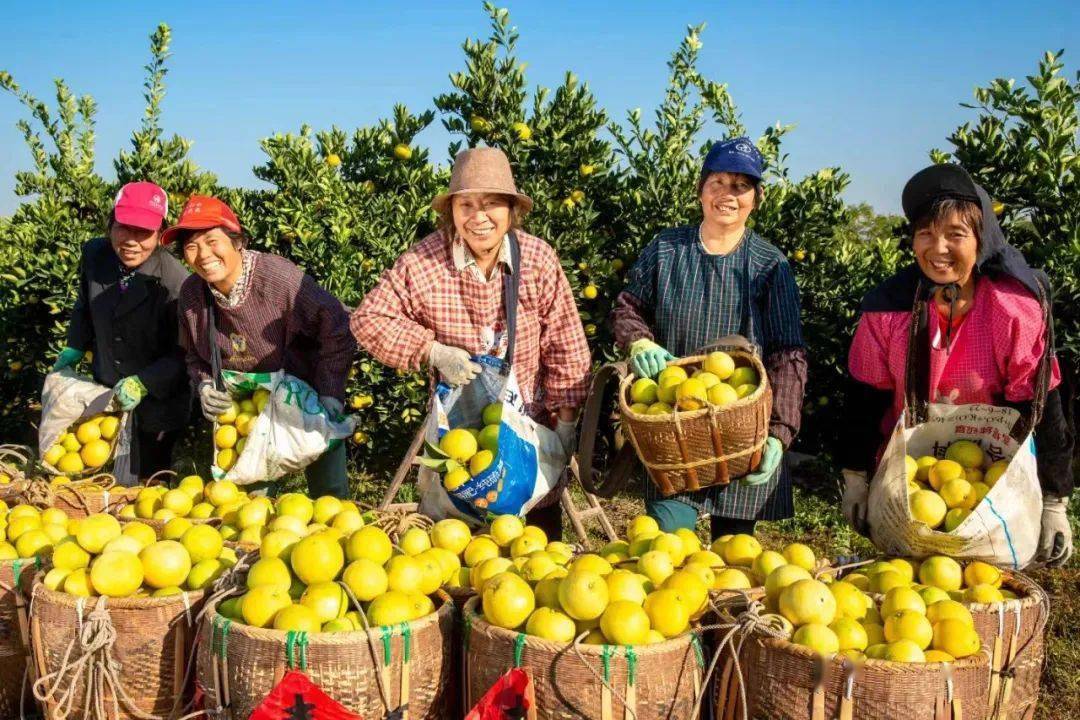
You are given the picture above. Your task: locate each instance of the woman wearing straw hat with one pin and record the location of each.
(693, 285)
(441, 303)
(269, 316)
(981, 336)
(126, 313)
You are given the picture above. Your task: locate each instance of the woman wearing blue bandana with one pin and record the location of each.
(696, 284)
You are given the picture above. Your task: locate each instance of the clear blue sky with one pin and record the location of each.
(871, 86)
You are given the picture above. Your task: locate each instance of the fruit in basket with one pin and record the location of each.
(807, 601)
(644, 390)
(720, 364)
(927, 507)
(86, 445)
(508, 600)
(691, 394)
(722, 394)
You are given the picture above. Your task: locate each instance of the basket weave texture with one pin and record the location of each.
(144, 643)
(14, 631)
(78, 499)
(688, 451)
(1021, 624)
(658, 681)
(238, 665)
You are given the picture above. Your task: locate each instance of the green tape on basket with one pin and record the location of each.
(290, 647)
(302, 641)
(519, 648)
(466, 625)
(695, 642)
(387, 636)
(406, 642)
(220, 644)
(631, 665)
(16, 569)
(605, 661)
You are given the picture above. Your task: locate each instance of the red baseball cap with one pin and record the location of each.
(202, 212)
(142, 205)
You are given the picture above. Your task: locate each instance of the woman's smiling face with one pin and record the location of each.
(481, 220)
(946, 249)
(212, 255)
(727, 199)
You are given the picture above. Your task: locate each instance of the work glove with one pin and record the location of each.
(214, 402)
(567, 432)
(68, 357)
(129, 392)
(856, 497)
(1055, 539)
(771, 455)
(647, 358)
(334, 407)
(454, 364)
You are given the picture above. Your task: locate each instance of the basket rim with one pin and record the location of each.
(629, 378)
(347, 637)
(477, 621)
(979, 659)
(1034, 594)
(44, 594)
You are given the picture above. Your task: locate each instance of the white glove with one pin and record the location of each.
(214, 402)
(567, 432)
(334, 407)
(454, 364)
(856, 496)
(1055, 539)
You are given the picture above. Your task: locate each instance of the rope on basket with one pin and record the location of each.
(374, 650)
(89, 655)
(396, 522)
(13, 456)
(41, 493)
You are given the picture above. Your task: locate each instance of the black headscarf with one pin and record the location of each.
(996, 256)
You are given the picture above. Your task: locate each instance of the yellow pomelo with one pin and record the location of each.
(296, 505)
(902, 598)
(95, 453)
(451, 534)
(941, 572)
(625, 623)
(954, 518)
(141, 532)
(165, 564)
(706, 377)
(96, 531)
(983, 594)
(719, 364)
(667, 612)
(949, 610)
(691, 394)
(905, 651)
(583, 594)
(912, 467)
(656, 566)
(956, 638)
(981, 573)
(807, 601)
(390, 608)
(53, 516)
(909, 625)
(53, 454)
(71, 462)
(782, 577)
(69, 555)
(958, 493)
(732, 579)
(875, 633)
(642, 525)
(225, 459)
(325, 508)
(432, 572)
(722, 394)
(317, 558)
(34, 542)
(262, 603)
(644, 391)
(370, 543)
(966, 453)
(109, 425)
(505, 529)
(88, 432)
(297, 618)
(78, 583)
(116, 574)
(508, 600)
(818, 637)
(850, 601)
(404, 574)
(944, 471)
(54, 579)
(694, 592)
(278, 544)
(927, 507)
(672, 374)
(202, 542)
(459, 444)
(741, 550)
(994, 472)
(801, 555)
(326, 599)
(550, 624)
(938, 656)
(478, 550)
(365, 579)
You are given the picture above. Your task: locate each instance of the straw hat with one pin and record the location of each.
(483, 170)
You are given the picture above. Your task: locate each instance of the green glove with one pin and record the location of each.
(771, 456)
(647, 358)
(129, 392)
(68, 357)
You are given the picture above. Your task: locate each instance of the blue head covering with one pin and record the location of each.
(737, 155)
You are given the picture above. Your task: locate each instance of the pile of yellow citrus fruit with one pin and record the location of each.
(921, 614)
(97, 555)
(234, 425)
(719, 381)
(86, 445)
(645, 589)
(942, 493)
(464, 452)
(312, 550)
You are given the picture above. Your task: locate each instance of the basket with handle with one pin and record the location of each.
(691, 450)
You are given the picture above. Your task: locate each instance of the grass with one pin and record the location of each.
(819, 523)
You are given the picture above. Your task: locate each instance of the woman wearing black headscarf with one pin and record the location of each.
(983, 335)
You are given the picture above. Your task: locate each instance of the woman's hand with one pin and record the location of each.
(771, 455)
(454, 364)
(69, 357)
(214, 402)
(1055, 539)
(647, 358)
(129, 392)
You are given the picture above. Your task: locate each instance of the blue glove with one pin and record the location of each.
(129, 392)
(69, 357)
(647, 358)
(771, 455)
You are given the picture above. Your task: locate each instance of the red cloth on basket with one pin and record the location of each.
(297, 698)
(512, 697)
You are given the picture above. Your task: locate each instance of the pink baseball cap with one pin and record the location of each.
(142, 205)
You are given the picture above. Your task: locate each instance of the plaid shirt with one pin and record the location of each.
(426, 297)
(685, 298)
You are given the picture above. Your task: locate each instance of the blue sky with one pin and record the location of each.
(871, 86)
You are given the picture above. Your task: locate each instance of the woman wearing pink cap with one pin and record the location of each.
(126, 313)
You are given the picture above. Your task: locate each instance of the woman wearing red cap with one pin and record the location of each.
(269, 316)
(126, 312)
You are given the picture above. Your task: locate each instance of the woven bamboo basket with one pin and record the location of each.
(16, 577)
(1014, 631)
(644, 682)
(369, 672)
(687, 451)
(136, 652)
(783, 681)
(78, 499)
(14, 459)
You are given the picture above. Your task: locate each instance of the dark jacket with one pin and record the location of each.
(134, 331)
